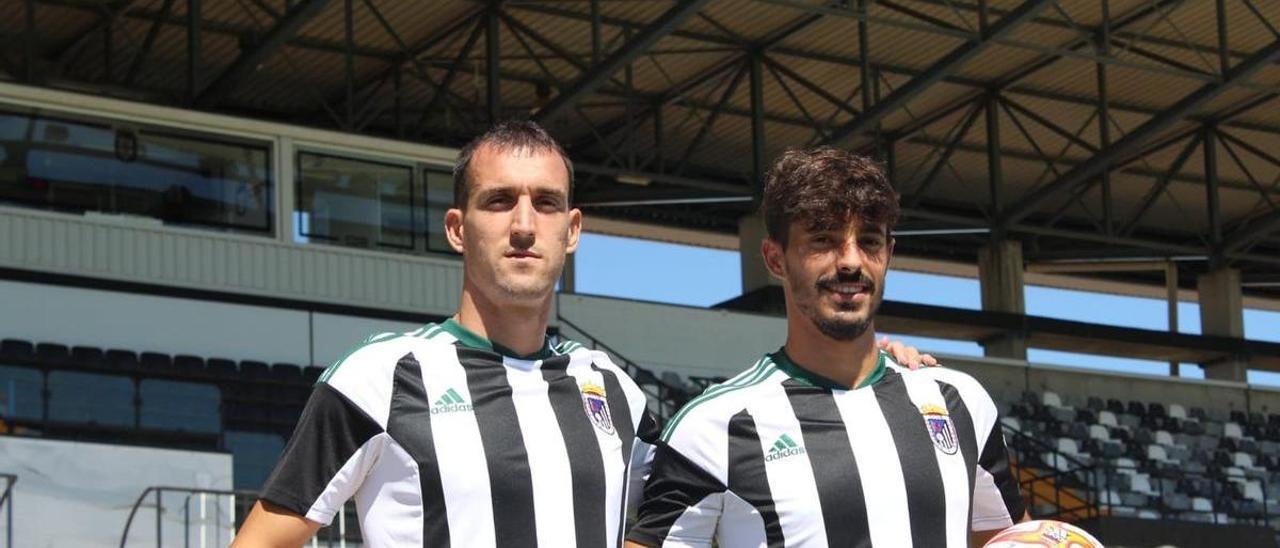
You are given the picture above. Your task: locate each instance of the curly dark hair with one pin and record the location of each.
(825, 187)
(508, 136)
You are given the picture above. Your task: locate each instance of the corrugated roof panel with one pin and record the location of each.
(742, 20)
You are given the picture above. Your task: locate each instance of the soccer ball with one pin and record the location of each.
(1043, 533)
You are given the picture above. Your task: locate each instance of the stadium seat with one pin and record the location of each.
(1198, 413)
(123, 361)
(1051, 399)
(1095, 404)
(1115, 406)
(16, 349)
(1177, 411)
(184, 364)
(53, 354)
(286, 372)
(312, 373)
(155, 362)
(252, 370)
(221, 368)
(1137, 409)
(88, 356)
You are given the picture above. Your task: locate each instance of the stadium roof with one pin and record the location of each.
(990, 113)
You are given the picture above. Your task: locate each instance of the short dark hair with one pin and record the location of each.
(825, 187)
(508, 136)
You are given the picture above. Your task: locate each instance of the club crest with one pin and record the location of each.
(597, 407)
(941, 430)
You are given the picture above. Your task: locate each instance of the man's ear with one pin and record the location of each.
(774, 259)
(575, 230)
(453, 229)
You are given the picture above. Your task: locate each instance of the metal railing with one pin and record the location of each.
(665, 397)
(206, 523)
(1069, 481)
(6, 502)
(1082, 489)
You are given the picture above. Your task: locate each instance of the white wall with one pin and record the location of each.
(80, 494)
(688, 340)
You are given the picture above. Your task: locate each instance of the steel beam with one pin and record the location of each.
(247, 62)
(1208, 136)
(755, 65)
(492, 57)
(140, 59)
(633, 49)
(1258, 227)
(1131, 142)
(950, 62)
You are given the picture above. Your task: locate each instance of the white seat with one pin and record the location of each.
(1068, 446)
(1243, 460)
(1201, 504)
(1145, 513)
(1233, 472)
(1164, 438)
(1141, 483)
(1177, 411)
(1125, 465)
(1099, 432)
(1012, 422)
(1052, 399)
(1253, 490)
(1107, 418)
(1157, 453)
(1232, 430)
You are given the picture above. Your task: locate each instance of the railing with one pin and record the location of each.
(6, 502)
(1069, 481)
(665, 399)
(225, 519)
(1078, 488)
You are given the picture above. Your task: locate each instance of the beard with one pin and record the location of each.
(838, 328)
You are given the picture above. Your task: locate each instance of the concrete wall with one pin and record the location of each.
(80, 494)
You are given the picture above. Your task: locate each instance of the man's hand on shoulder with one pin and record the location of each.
(271, 526)
(906, 355)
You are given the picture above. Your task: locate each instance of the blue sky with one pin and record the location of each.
(688, 275)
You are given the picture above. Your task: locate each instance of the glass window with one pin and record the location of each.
(355, 202)
(439, 200)
(181, 178)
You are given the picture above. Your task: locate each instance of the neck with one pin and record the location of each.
(846, 362)
(520, 326)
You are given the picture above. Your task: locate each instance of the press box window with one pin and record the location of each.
(184, 178)
(355, 202)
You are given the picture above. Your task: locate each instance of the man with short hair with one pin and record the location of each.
(828, 441)
(477, 431)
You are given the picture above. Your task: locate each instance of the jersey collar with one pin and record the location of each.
(783, 361)
(470, 339)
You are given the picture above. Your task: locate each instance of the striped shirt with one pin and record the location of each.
(443, 439)
(778, 456)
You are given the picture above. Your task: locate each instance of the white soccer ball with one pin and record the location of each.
(1043, 533)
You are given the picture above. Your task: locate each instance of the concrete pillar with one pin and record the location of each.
(1000, 276)
(751, 232)
(1222, 314)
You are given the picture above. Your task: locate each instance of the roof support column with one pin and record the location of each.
(1000, 275)
(751, 233)
(1222, 314)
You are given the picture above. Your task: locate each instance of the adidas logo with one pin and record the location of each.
(782, 448)
(450, 402)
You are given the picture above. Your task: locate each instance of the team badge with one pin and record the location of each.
(597, 407)
(941, 429)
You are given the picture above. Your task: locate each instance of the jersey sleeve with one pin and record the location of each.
(332, 450)
(997, 498)
(682, 503)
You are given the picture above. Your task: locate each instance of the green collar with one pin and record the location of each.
(797, 372)
(470, 339)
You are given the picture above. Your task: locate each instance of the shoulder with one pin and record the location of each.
(716, 406)
(366, 374)
(970, 391)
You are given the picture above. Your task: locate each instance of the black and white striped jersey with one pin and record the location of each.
(778, 456)
(444, 440)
